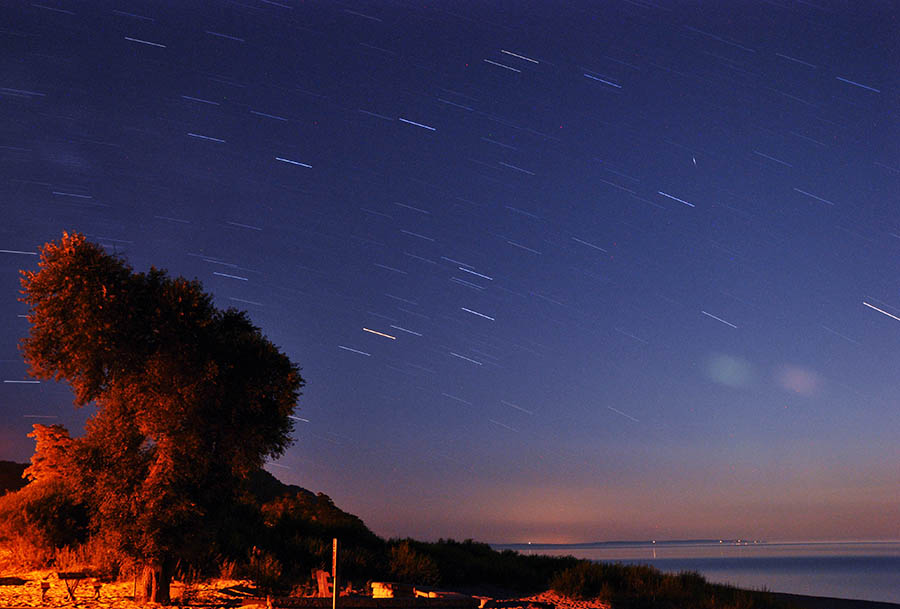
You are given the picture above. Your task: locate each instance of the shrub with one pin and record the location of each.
(228, 569)
(68, 559)
(638, 587)
(583, 581)
(411, 567)
(21, 551)
(38, 519)
(95, 556)
(472, 564)
(265, 569)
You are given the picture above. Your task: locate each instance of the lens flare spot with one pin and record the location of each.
(801, 381)
(728, 370)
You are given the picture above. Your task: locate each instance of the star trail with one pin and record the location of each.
(633, 260)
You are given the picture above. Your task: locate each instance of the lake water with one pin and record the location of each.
(861, 570)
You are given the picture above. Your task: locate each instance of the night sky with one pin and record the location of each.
(553, 271)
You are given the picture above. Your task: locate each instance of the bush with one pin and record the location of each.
(265, 569)
(228, 569)
(410, 567)
(21, 552)
(583, 581)
(40, 518)
(471, 564)
(639, 587)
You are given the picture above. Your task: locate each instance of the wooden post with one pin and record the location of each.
(334, 574)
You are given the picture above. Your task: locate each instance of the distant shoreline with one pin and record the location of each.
(680, 542)
(793, 569)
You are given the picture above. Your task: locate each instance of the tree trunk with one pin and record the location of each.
(154, 584)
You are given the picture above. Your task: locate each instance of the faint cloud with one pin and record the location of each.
(728, 370)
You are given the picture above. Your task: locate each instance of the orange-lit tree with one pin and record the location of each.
(189, 399)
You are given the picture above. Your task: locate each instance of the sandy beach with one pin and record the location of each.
(231, 593)
(118, 595)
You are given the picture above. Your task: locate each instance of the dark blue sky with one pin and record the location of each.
(639, 259)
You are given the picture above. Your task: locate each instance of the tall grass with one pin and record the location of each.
(23, 551)
(643, 587)
(266, 570)
(411, 567)
(470, 564)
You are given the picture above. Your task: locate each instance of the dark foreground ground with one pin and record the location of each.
(26, 592)
(824, 602)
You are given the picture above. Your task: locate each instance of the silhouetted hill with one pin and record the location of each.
(266, 487)
(11, 476)
(293, 510)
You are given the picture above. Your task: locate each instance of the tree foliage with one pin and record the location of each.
(52, 453)
(189, 399)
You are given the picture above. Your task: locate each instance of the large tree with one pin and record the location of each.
(189, 399)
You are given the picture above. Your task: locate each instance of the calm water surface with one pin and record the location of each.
(862, 570)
